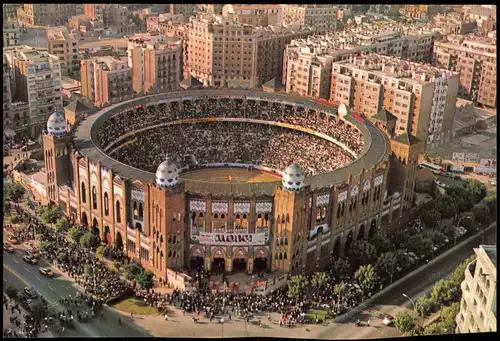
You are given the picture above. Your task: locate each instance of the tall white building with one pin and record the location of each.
(38, 83)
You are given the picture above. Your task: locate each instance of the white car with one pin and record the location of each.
(440, 184)
(388, 320)
(30, 143)
(493, 183)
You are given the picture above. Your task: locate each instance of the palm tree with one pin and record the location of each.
(340, 290)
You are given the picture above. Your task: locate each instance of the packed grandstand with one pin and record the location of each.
(267, 142)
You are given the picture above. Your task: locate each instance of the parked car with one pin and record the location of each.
(440, 184)
(34, 252)
(388, 320)
(29, 258)
(12, 239)
(8, 248)
(30, 292)
(46, 272)
(24, 148)
(493, 183)
(31, 143)
(17, 146)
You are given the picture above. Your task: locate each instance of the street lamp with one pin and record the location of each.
(414, 307)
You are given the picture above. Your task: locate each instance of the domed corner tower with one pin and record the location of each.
(290, 228)
(167, 202)
(56, 144)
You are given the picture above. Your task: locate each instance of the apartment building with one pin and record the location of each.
(321, 17)
(476, 59)
(222, 53)
(164, 21)
(255, 15)
(210, 9)
(38, 83)
(64, 45)
(478, 307)
(10, 11)
(7, 97)
(420, 11)
(337, 46)
(106, 80)
(54, 14)
(421, 97)
(186, 9)
(156, 62)
(11, 33)
(453, 23)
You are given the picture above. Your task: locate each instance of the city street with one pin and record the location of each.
(394, 302)
(21, 274)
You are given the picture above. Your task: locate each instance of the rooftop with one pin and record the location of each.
(491, 252)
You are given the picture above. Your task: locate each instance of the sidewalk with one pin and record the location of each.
(6, 322)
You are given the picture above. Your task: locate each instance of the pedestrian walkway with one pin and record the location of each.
(7, 314)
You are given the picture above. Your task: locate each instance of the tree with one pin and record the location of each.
(100, 252)
(87, 269)
(76, 234)
(340, 290)
(459, 273)
(476, 189)
(51, 214)
(407, 259)
(47, 245)
(11, 292)
(367, 277)
(481, 213)
(491, 202)
(341, 267)
(297, 286)
(437, 237)
(445, 291)
(13, 192)
(13, 219)
(145, 279)
(448, 316)
(419, 245)
(38, 310)
(434, 329)
(462, 198)
(404, 322)
(446, 207)
(88, 240)
(398, 238)
(386, 265)
(361, 253)
(132, 271)
(424, 305)
(61, 225)
(431, 218)
(382, 244)
(318, 280)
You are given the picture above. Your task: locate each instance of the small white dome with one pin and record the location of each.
(343, 111)
(293, 178)
(167, 174)
(56, 125)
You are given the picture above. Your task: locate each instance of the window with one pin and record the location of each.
(118, 213)
(106, 204)
(94, 198)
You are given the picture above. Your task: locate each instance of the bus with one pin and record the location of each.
(430, 165)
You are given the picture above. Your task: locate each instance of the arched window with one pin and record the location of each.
(201, 215)
(223, 216)
(141, 211)
(323, 212)
(169, 239)
(136, 212)
(118, 212)
(286, 241)
(84, 193)
(193, 216)
(285, 257)
(94, 197)
(216, 216)
(175, 239)
(106, 204)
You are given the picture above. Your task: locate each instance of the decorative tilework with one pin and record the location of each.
(323, 200)
(366, 185)
(220, 206)
(242, 207)
(342, 196)
(264, 206)
(354, 190)
(378, 180)
(196, 205)
(137, 195)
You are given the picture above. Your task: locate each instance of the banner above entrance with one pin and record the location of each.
(232, 238)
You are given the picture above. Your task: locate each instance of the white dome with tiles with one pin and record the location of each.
(56, 125)
(293, 178)
(167, 174)
(343, 110)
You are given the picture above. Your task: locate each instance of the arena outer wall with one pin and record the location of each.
(309, 227)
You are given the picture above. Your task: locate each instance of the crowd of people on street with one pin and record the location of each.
(233, 142)
(222, 139)
(21, 324)
(101, 284)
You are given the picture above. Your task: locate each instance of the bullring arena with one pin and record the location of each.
(225, 180)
